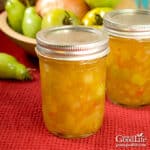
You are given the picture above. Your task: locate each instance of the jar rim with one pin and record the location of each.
(128, 23)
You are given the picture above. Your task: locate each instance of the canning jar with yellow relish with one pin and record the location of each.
(73, 69)
(128, 77)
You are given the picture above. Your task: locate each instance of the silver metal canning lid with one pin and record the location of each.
(72, 43)
(128, 23)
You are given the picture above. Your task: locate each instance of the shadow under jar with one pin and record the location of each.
(73, 69)
(128, 77)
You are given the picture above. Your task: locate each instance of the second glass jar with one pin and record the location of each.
(128, 76)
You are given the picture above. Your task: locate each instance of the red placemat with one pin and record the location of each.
(22, 127)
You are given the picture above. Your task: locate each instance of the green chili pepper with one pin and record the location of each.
(11, 68)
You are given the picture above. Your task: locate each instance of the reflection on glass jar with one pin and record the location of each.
(73, 68)
(128, 77)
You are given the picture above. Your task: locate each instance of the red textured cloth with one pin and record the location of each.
(22, 127)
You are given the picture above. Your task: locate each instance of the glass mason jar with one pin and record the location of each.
(128, 77)
(73, 68)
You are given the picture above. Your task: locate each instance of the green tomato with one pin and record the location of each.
(102, 3)
(31, 23)
(94, 17)
(15, 12)
(58, 17)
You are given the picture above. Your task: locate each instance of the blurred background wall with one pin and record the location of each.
(2, 3)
